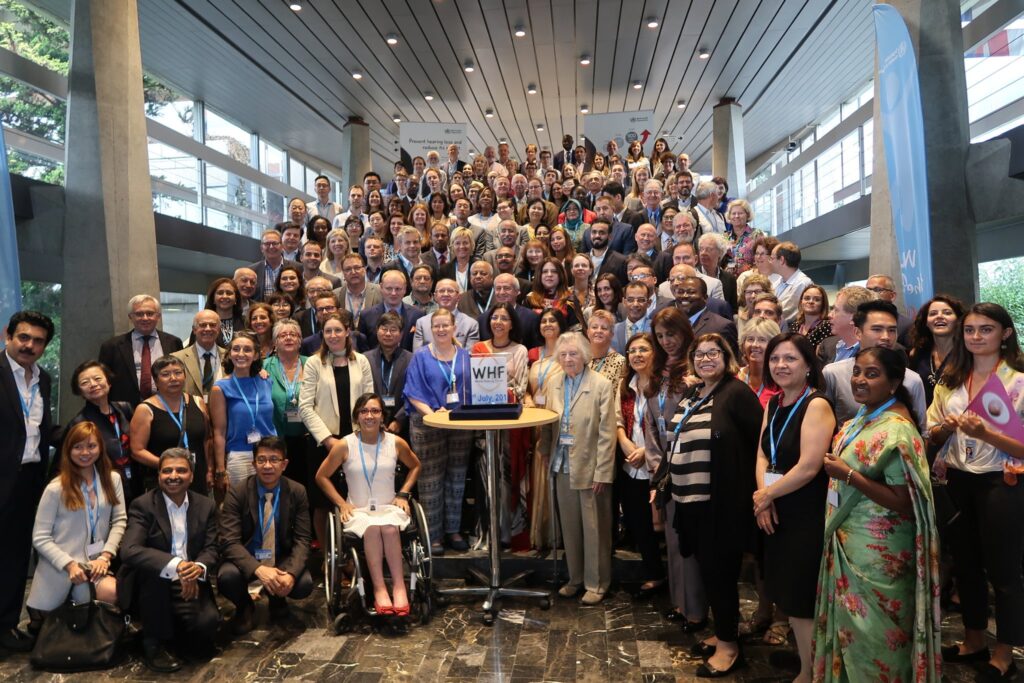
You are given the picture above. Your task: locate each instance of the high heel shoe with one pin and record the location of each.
(383, 610)
(401, 611)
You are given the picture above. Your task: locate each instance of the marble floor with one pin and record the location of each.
(621, 640)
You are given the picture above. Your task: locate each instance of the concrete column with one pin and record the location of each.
(934, 27)
(109, 234)
(728, 158)
(355, 153)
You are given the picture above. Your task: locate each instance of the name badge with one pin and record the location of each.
(661, 425)
(566, 439)
(970, 448)
(540, 401)
(389, 401)
(452, 397)
(264, 555)
(253, 437)
(292, 415)
(771, 477)
(833, 498)
(93, 550)
(373, 505)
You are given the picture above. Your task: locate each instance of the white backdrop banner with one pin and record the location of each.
(416, 139)
(623, 127)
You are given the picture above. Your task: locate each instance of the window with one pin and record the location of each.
(168, 107)
(227, 138)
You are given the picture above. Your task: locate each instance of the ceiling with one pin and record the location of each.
(288, 75)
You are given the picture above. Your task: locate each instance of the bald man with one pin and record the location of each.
(446, 294)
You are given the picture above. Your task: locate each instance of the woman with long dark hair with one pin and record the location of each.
(223, 298)
(551, 290)
(932, 338)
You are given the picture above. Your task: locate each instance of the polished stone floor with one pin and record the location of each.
(620, 640)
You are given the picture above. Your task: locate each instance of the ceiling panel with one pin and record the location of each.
(288, 75)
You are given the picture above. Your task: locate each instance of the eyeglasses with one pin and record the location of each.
(637, 350)
(879, 290)
(713, 354)
(271, 244)
(326, 309)
(636, 300)
(268, 460)
(370, 411)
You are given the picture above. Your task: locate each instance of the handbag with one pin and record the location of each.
(82, 637)
(946, 510)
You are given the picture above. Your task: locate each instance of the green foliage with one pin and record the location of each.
(1001, 283)
(46, 298)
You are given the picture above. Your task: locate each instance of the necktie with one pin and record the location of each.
(207, 373)
(145, 370)
(443, 259)
(269, 529)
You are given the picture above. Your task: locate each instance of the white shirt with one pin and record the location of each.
(713, 283)
(339, 220)
(33, 400)
(637, 436)
(179, 537)
(789, 292)
(711, 220)
(328, 210)
(155, 351)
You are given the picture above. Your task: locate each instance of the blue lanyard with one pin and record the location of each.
(542, 374)
(662, 395)
(93, 513)
(362, 301)
(386, 379)
(178, 419)
(252, 412)
(575, 382)
(771, 426)
(690, 411)
(265, 527)
(376, 461)
(289, 386)
(845, 439)
(449, 374)
(600, 364)
(639, 408)
(27, 408)
(488, 304)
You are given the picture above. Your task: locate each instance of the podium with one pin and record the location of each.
(494, 590)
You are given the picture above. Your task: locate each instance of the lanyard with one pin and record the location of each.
(542, 374)
(690, 411)
(662, 395)
(265, 527)
(26, 408)
(575, 382)
(773, 442)
(376, 461)
(488, 304)
(93, 513)
(845, 439)
(252, 412)
(289, 385)
(386, 378)
(362, 301)
(639, 408)
(600, 364)
(449, 374)
(178, 419)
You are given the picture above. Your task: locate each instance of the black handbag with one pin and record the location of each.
(83, 637)
(946, 510)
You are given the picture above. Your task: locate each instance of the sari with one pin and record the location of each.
(878, 587)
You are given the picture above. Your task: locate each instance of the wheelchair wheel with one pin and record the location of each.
(334, 563)
(420, 567)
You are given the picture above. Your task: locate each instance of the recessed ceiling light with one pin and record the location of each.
(391, 39)
(396, 118)
(520, 31)
(294, 6)
(468, 66)
(652, 22)
(703, 54)
(428, 96)
(637, 85)
(540, 126)
(489, 113)
(356, 75)
(532, 89)
(681, 104)
(585, 60)
(502, 141)
(584, 109)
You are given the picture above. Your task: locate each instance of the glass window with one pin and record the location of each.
(273, 161)
(47, 298)
(175, 182)
(32, 111)
(297, 175)
(169, 107)
(830, 178)
(227, 138)
(995, 71)
(1000, 283)
(178, 310)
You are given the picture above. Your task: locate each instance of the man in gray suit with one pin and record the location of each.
(268, 269)
(356, 294)
(467, 332)
(389, 363)
(636, 299)
(203, 359)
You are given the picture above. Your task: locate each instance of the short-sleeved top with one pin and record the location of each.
(240, 419)
(427, 379)
(383, 480)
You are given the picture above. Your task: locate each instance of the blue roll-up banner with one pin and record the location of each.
(903, 136)
(10, 272)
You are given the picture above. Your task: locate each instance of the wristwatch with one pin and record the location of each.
(404, 495)
(221, 474)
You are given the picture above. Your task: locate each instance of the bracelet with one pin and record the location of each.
(849, 476)
(404, 495)
(221, 474)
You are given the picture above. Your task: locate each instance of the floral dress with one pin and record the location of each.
(878, 587)
(742, 248)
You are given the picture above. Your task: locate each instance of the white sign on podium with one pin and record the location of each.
(489, 385)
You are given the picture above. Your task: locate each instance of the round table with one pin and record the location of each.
(530, 417)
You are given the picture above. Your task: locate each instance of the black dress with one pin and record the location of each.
(164, 433)
(115, 442)
(317, 453)
(792, 555)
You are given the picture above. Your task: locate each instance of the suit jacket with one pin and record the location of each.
(191, 356)
(468, 304)
(118, 355)
(826, 350)
(368, 324)
(621, 240)
(447, 272)
(146, 544)
(728, 287)
(614, 263)
(467, 332)
(305, 319)
(396, 387)
(12, 427)
(529, 327)
(261, 274)
(634, 218)
(318, 397)
(431, 260)
(239, 520)
(709, 323)
(371, 297)
(592, 421)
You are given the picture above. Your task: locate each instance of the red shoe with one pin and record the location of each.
(402, 611)
(384, 610)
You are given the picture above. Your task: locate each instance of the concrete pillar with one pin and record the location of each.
(109, 234)
(728, 158)
(934, 27)
(355, 153)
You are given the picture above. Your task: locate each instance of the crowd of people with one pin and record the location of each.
(709, 398)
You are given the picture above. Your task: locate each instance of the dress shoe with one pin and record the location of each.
(437, 549)
(705, 670)
(702, 649)
(242, 622)
(990, 673)
(158, 659)
(568, 591)
(457, 543)
(673, 615)
(952, 654)
(592, 598)
(16, 640)
(694, 626)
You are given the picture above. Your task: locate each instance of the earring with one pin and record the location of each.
(1003, 346)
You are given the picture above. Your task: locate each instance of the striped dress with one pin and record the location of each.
(690, 457)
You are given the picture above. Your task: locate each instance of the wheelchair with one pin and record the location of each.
(351, 604)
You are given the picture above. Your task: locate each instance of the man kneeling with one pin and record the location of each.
(167, 550)
(265, 537)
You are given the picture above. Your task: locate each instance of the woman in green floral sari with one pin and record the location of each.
(878, 588)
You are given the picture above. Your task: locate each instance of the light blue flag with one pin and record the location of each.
(10, 272)
(903, 136)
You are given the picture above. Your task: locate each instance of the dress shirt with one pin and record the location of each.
(843, 351)
(179, 539)
(339, 220)
(789, 292)
(713, 218)
(201, 355)
(34, 402)
(155, 351)
(637, 435)
(596, 260)
(270, 277)
(560, 463)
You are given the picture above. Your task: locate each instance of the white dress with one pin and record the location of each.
(359, 473)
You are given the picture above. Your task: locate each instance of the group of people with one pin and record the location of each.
(708, 397)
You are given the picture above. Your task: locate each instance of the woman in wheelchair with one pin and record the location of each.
(374, 511)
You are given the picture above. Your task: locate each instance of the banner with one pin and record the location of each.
(10, 272)
(416, 139)
(622, 127)
(903, 137)
(993, 404)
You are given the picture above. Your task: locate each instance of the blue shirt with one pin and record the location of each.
(426, 381)
(240, 420)
(843, 351)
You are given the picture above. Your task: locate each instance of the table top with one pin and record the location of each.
(531, 417)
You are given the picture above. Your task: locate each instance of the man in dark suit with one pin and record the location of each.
(168, 552)
(305, 316)
(617, 193)
(25, 425)
(268, 269)
(389, 364)
(393, 286)
(506, 291)
(703, 321)
(622, 237)
(602, 257)
(130, 355)
(565, 155)
(477, 299)
(265, 535)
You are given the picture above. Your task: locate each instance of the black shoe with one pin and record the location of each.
(459, 544)
(702, 649)
(242, 622)
(991, 673)
(694, 626)
(673, 615)
(158, 659)
(279, 609)
(705, 670)
(952, 654)
(16, 640)
(437, 549)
